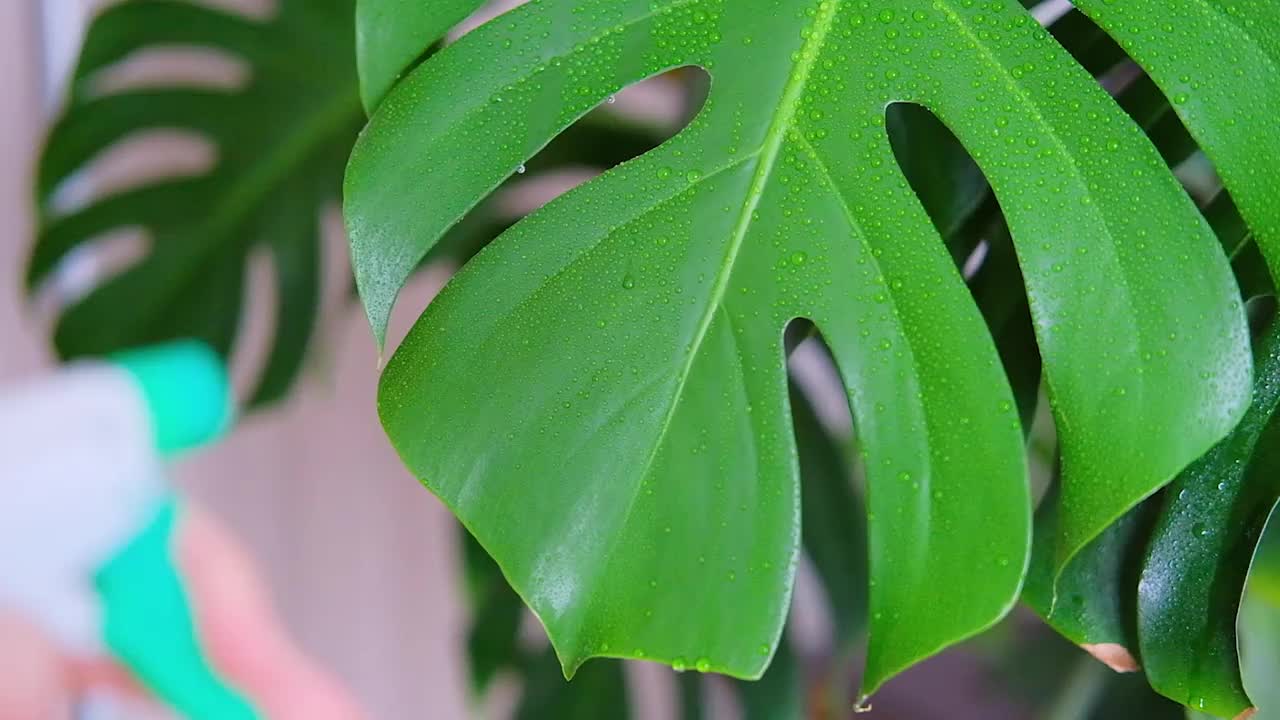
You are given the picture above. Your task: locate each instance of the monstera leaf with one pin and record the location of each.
(600, 395)
(281, 142)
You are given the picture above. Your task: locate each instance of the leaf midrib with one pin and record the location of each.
(765, 161)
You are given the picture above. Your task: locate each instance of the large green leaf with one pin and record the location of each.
(600, 395)
(1098, 592)
(1229, 107)
(281, 144)
(780, 693)
(834, 538)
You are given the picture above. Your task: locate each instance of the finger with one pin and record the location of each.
(32, 678)
(241, 633)
(89, 674)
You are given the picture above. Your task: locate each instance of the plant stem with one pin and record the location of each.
(1080, 692)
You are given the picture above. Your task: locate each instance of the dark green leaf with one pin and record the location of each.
(689, 685)
(779, 695)
(598, 691)
(493, 638)
(1199, 556)
(281, 143)
(1094, 603)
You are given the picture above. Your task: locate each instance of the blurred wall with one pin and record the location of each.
(19, 121)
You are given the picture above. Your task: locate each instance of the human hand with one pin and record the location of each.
(235, 624)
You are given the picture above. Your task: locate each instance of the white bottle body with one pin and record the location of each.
(79, 476)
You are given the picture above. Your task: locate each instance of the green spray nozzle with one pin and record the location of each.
(149, 625)
(187, 392)
(148, 622)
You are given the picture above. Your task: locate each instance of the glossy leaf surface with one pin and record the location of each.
(600, 394)
(1199, 556)
(281, 142)
(391, 35)
(1219, 61)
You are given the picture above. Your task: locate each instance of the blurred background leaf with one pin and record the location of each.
(279, 139)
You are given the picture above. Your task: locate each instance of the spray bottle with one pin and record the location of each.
(87, 518)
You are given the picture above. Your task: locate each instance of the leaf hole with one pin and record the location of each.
(627, 124)
(959, 200)
(79, 271)
(829, 605)
(253, 9)
(137, 160)
(171, 66)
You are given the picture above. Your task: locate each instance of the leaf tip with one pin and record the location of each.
(1114, 656)
(569, 666)
(379, 320)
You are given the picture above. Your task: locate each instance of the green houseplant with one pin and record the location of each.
(601, 393)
